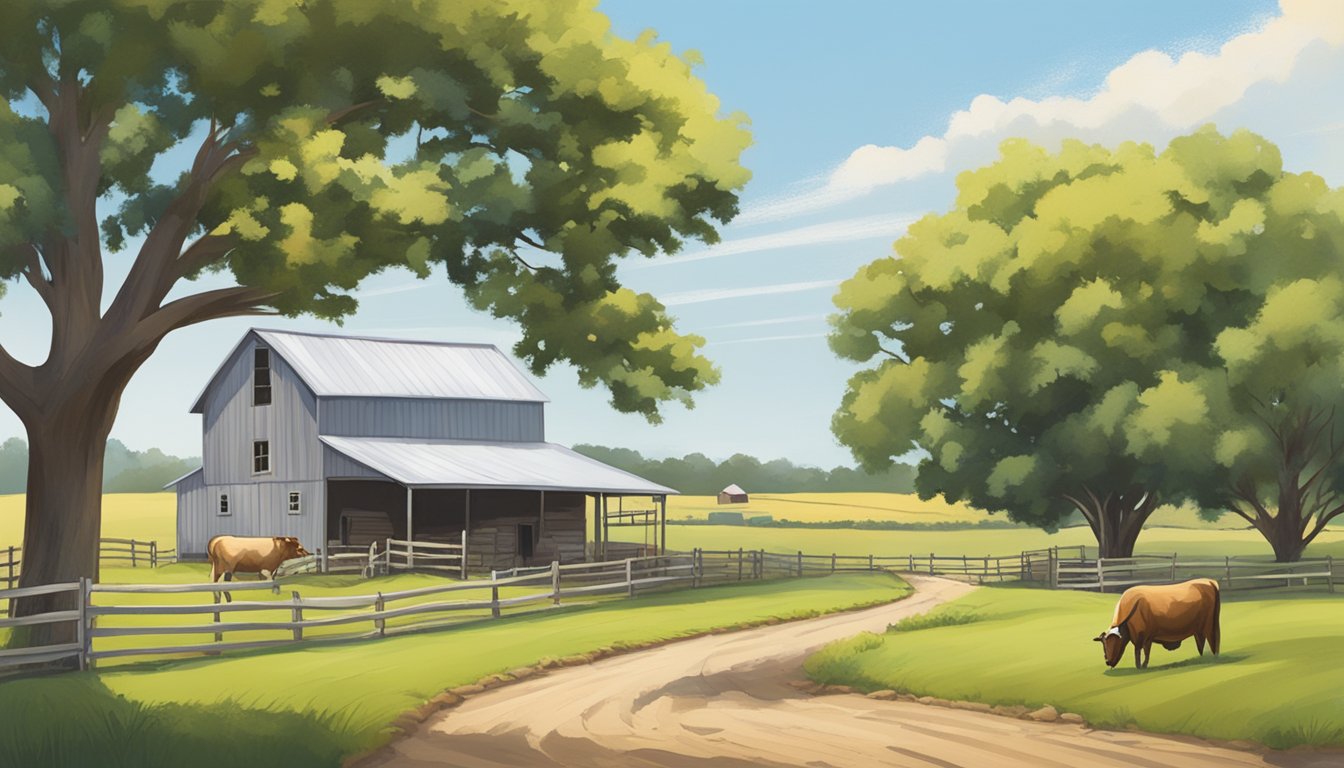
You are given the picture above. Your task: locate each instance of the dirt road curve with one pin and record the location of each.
(722, 700)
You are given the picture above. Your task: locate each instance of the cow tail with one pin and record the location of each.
(1216, 636)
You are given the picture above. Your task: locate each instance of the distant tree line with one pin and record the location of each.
(124, 470)
(697, 474)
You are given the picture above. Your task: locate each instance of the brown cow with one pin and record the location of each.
(259, 554)
(1165, 615)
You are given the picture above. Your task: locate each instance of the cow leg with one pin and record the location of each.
(1199, 644)
(1138, 655)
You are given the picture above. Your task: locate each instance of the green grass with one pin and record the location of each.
(1277, 680)
(336, 700)
(1187, 542)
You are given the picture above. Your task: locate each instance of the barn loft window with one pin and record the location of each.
(294, 508)
(223, 503)
(261, 456)
(261, 376)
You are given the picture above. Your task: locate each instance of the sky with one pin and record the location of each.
(862, 114)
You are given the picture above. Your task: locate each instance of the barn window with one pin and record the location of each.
(224, 504)
(261, 456)
(261, 376)
(294, 508)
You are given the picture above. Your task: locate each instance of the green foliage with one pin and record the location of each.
(952, 617)
(517, 148)
(124, 470)
(1071, 327)
(697, 474)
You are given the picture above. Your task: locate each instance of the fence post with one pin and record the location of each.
(739, 564)
(1330, 573)
(154, 554)
(296, 615)
(380, 623)
(10, 579)
(800, 563)
(132, 553)
(630, 574)
(219, 636)
(82, 631)
(494, 601)
(910, 563)
(1052, 566)
(930, 563)
(464, 556)
(1227, 571)
(1173, 565)
(1101, 575)
(832, 562)
(760, 565)
(870, 562)
(555, 581)
(695, 567)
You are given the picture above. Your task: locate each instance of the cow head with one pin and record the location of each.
(290, 547)
(1113, 642)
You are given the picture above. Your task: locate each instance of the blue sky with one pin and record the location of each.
(862, 113)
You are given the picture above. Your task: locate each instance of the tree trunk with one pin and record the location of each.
(63, 518)
(1117, 519)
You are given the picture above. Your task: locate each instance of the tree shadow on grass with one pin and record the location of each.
(74, 720)
(1207, 660)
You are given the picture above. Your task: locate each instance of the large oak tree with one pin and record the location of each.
(1046, 345)
(516, 146)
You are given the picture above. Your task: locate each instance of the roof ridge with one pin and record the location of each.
(382, 339)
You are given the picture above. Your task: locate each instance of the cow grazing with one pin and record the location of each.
(260, 555)
(1165, 615)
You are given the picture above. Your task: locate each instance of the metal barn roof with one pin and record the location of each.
(359, 366)
(466, 464)
(184, 477)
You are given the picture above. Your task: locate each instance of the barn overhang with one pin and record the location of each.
(428, 463)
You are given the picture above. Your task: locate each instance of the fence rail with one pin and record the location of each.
(1234, 574)
(136, 552)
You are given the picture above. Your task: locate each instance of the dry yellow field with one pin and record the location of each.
(148, 516)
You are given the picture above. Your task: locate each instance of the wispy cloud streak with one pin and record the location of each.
(724, 294)
(843, 231)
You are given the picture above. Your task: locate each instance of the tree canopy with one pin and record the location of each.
(517, 148)
(1061, 337)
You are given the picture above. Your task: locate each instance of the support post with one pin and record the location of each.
(541, 516)
(466, 534)
(296, 615)
(606, 532)
(597, 527)
(555, 582)
(463, 556)
(662, 536)
(379, 622)
(82, 631)
(410, 533)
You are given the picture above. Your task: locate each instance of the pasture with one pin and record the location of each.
(310, 707)
(1276, 681)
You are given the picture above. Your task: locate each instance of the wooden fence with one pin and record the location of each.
(745, 564)
(136, 552)
(1234, 574)
(275, 614)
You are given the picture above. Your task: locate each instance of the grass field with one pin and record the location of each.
(976, 543)
(1276, 682)
(310, 707)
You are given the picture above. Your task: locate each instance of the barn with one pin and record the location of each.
(733, 494)
(346, 440)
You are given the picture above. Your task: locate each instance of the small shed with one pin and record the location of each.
(733, 494)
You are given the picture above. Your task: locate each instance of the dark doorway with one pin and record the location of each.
(525, 541)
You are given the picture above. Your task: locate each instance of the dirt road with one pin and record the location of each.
(723, 700)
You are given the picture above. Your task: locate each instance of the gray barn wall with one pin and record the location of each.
(256, 509)
(427, 418)
(231, 423)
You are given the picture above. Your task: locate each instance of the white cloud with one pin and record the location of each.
(391, 289)
(759, 339)
(1151, 97)
(846, 230)
(722, 294)
(771, 321)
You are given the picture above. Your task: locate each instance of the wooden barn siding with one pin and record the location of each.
(191, 509)
(426, 418)
(256, 509)
(231, 424)
(495, 516)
